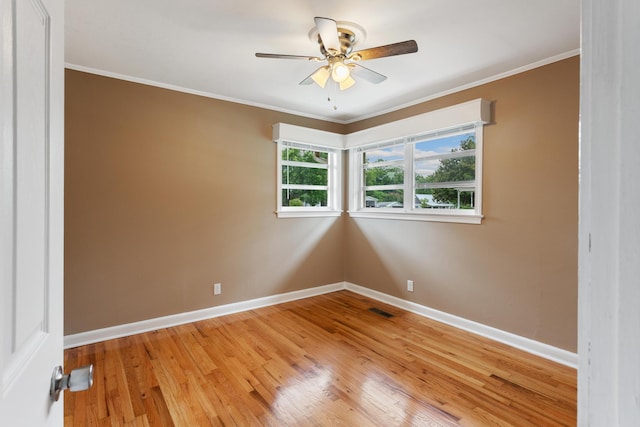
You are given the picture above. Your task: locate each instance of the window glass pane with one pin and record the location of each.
(443, 161)
(304, 176)
(448, 144)
(386, 175)
(384, 198)
(395, 152)
(307, 156)
(445, 170)
(304, 198)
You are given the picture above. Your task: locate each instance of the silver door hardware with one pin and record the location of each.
(79, 379)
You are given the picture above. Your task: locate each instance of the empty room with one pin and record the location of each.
(316, 213)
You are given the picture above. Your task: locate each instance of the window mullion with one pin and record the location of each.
(409, 190)
(304, 187)
(305, 164)
(332, 195)
(479, 162)
(356, 171)
(279, 174)
(384, 187)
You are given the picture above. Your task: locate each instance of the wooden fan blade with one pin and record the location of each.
(359, 71)
(401, 48)
(328, 30)
(279, 56)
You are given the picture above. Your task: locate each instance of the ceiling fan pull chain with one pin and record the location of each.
(332, 94)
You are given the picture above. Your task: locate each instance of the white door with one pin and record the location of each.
(31, 209)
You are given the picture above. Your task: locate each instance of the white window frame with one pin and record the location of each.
(407, 131)
(409, 211)
(289, 136)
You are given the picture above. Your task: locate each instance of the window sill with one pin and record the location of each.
(308, 214)
(457, 217)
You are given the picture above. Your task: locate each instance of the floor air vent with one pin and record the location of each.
(380, 312)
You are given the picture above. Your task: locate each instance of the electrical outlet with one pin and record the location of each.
(410, 285)
(217, 288)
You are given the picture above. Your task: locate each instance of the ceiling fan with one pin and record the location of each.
(336, 40)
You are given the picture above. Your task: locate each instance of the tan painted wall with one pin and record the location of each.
(518, 270)
(167, 193)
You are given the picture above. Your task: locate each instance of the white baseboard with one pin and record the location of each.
(119, 331)
(531, 346)
(547, 351)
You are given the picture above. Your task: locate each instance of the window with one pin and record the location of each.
(426, 167)
(308, 180)
(383, 171)
(433, 176)
(445, 171)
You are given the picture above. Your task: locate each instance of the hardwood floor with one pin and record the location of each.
(322, 361)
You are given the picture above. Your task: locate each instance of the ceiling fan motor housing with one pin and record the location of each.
(347, 41)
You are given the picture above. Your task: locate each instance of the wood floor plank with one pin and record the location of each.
(321, 361)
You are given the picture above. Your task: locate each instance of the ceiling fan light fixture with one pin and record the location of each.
(347, 83)
(340, 72)
(321, 76)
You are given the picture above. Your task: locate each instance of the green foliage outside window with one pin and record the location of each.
(304, 176)
(453, 170)
(386, 175)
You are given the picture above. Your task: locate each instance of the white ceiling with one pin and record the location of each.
(207, 47)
